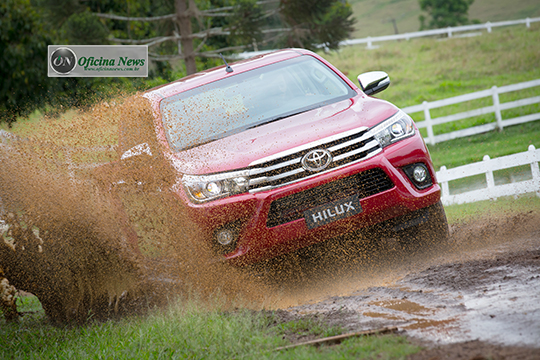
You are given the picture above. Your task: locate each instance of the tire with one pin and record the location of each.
(424, 229)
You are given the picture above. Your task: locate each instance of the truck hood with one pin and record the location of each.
(240, 150)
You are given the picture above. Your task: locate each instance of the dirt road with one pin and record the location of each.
(481, 292)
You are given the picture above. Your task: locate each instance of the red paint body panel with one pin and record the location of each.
(256, 241)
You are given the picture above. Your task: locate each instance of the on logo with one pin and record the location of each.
(63, 61)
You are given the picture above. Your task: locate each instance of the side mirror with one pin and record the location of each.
(373, 82)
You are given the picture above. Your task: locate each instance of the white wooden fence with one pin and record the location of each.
(487, 167)
(449, 31)
(496, 108)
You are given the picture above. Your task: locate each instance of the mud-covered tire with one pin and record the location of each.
(425, 229)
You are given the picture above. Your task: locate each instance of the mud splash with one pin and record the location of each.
(101, 241)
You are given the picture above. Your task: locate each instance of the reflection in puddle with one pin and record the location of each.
(406, 306)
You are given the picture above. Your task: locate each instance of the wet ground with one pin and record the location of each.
(479, 294)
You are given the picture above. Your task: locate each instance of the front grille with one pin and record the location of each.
(286, 167)
(292, 207)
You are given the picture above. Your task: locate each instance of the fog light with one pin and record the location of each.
(225, 236)
(419, 173)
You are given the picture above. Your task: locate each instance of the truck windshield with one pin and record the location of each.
(253, 98)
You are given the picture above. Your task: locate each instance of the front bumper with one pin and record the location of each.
(259, 239)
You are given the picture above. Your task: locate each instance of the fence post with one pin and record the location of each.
(490, 180)
(449, 32)
(444, 185)
(429, 124)
(488, 27)
(497, 106)
(535, 169)
(528, 22)
(369, 44)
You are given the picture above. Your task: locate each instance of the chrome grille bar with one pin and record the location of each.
(285, 167)
(369, 146)
(274, 167)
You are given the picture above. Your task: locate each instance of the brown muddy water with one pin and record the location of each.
(111, 240)
(102, 240)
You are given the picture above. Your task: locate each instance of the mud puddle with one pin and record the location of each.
(483, 286)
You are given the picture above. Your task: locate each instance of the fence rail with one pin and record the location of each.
(496, 108)
(487, 167)
(449, 31)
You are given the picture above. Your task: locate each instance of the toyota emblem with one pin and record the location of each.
(317, 160)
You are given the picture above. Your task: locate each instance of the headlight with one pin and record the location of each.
(398, 127)
(210, 187)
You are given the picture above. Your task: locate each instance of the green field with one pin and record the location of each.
(421, 69)
(432, 68)
(374, 17)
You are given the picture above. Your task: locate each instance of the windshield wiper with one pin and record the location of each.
(280, 117)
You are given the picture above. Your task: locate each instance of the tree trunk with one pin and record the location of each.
(184, 23)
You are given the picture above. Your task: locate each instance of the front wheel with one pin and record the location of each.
(424, 229)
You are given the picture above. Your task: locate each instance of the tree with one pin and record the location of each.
(206, 29)
(315, 23)
(23, 50)
(444, 13)
(85, 29)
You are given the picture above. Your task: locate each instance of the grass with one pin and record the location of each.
(421, 69)
(185, 331)
(430, 69)
(307, 326)
(97, 126)
(190, 331)
(511, 140)
(374, 17)
(506, 205)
